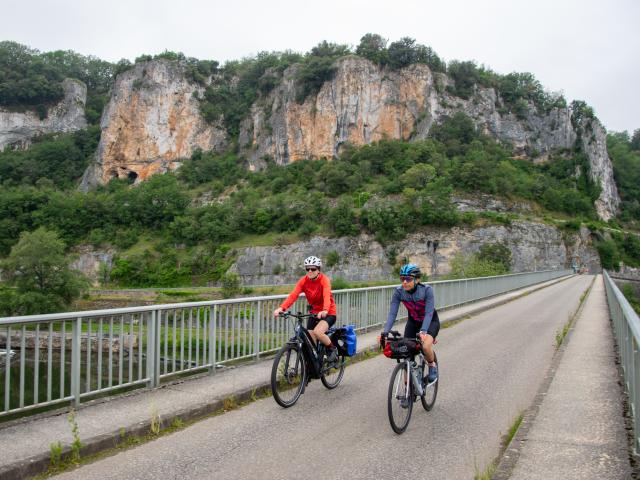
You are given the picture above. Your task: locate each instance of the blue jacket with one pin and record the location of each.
(420, 303)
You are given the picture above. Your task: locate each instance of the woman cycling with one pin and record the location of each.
(317, 288)
(423, 318)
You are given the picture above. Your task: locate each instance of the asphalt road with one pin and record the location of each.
(491, 367)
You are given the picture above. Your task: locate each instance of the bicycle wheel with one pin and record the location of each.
(288, 375)
(333, 372)
(400, 400)
(430, 391)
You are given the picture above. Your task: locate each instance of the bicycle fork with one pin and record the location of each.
(406, 380)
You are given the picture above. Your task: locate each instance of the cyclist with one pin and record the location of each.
(317, 288)
(423, 318)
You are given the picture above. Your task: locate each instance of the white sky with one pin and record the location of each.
(589, 50)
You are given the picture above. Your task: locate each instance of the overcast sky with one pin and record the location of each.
(587, 49)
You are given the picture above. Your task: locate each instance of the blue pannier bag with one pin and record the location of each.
(350, 340)
(345, 339)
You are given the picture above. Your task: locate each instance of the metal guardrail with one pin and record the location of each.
(69, 357)
(626, 327)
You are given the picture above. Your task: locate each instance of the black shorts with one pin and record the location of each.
(313, 321)
(412, 327)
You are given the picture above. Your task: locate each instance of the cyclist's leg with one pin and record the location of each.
(321, 328)
(427, 344)
(312, 323)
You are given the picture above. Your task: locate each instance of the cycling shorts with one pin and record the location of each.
(412, 327)
(313, 321)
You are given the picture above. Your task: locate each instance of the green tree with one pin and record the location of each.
(497, 253)
(418, 175)
(635, 140)
(40, 273)
(342, 219)
(373, 47)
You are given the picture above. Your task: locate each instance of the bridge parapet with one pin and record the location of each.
(626, 327)
(157, 342)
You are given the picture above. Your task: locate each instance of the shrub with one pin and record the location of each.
(230, 285)
(332, 259)
(340, 283)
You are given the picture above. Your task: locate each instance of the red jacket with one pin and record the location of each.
(318, 293)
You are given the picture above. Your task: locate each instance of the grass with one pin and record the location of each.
(491, 468)
(486, 474)
(561, 333)
(266, 240)
(512, 430)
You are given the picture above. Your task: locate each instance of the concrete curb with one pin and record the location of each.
(509, 457)
(39, 463)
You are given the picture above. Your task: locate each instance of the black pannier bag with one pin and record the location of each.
(403, 348)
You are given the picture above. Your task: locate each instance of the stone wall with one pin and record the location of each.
(533, 246)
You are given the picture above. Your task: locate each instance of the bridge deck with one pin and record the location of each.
(577, 428)
(25, 444)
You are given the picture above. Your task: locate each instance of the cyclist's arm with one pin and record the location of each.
(430, 305)
(326, 293)
(393, 311)
(293, 296)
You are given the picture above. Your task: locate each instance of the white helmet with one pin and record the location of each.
(312, 262)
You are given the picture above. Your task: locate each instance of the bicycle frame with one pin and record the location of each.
(302, 338)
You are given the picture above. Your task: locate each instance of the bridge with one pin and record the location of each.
(500, 360)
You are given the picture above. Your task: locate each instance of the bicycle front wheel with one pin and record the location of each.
(430, 391)
(288, 375)
(400, 400)
(332, 372)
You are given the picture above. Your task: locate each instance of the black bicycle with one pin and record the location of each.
(408, 382)
(299, 360)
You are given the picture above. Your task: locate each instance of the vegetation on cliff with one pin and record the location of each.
(30, 79)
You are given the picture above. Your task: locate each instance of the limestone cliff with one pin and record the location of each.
(595, 146)
(151, 123)
(364, 103)
(533, 246)
(17, 129)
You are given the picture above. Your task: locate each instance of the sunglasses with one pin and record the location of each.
(311, 269)
(406, 279)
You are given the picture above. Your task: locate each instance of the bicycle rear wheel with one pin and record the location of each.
(333, 372)
(430, 390)
(400, 399)
(288, 375)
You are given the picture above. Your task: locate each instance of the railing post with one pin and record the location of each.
(150, 348)
(153, 350)
(157, 349)
(213, 312)
(256, 331)
(75, 360)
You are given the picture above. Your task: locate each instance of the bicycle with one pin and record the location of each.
(299, 360)
(407, 381)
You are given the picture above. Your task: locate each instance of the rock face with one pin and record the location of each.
(91, 263)
(595, 146)
(533, 246)
(151, 123)
(358, 258)
(363, 104)
(17, 129)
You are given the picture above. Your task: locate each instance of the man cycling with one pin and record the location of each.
(317, 288)
(423, 318)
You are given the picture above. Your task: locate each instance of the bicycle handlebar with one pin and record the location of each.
(298, 315)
